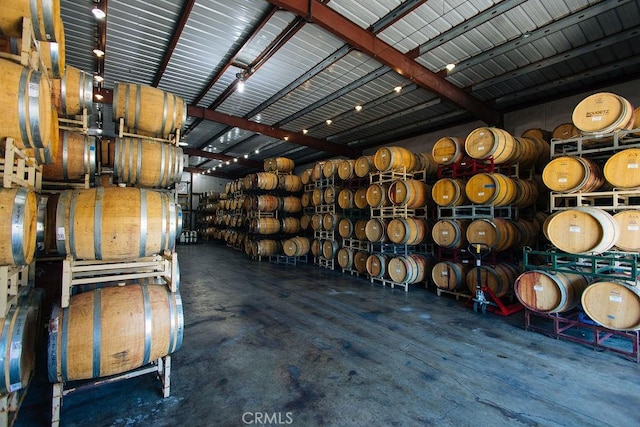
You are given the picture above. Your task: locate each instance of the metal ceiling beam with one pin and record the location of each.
(177, 32)
(206, 172)
(368, 43)
(396, 14)
(274, 132)
(217, 156)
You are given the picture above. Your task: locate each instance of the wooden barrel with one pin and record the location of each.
(450, 276)
(279, 164)
(485, 142)
(636, 120)
(345, 258)
(408, 269)
(329, 221)
(330, 249)
(291, 204)
(43, 14)
(329, 195)
(426, 163)
(602, 113)
(316, 222)
(74, 92)
(76, 157)
(448, 150)
(316, 247)
(316, 172)
(18, 336)
(526, 193)
(265, 203)
(305, 222)
(531, 151)
(346, 169)
(410, 193)
(360, 261)
(89, 338)
(450, 233)
(622, 170)
(615, 304)
(499, 278)
(305, 176)
(546, 292)
(376, 230)
(565, 131)
(305, 200)
(330, 168)
(538, 133)
(25, 100)
(317, 197)
(376, 266)
(147, 163)
(147, 110)
(345, 228)
(360, 198)
(114, 223)
(570, 174)
(266, 247)
(449, 192)
(345, 199)
(527, 231)
(498, 233)
(298, 246)
(265, 225)
(377, 195)
(290, 225)
(493, 189)
(406, 231)
(364, 166)
(53, 55)
(266, 181)
(18, 226)
(394, 158)
(359, 229)
(628, 222)
(290, 183)
(582, 230)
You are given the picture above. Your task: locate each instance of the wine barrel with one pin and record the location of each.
(546, 292)
(582, 230)
(448, 150)
(305, 199)
(330, 168)
(426, 163)
(408, 269)
(636, 120)
(499, 278)
(359, 229)
(25, 101)
(73, 93)
(615, 304)
(147, 110)
(450, 233)
(531, 151)
(449, 192)
(329, 221)
(394, 158)
(115, 223)
(316, 172)
(602, 113)
(377, 195)
(290, 225)
(290, 183)
(298, 246)
(43, 14)
(622, 170)
(628, 222)
(485, 142)
(113, 330)
(147, 163)
(20, 330)
(291, 204)
(493, 189)
(265, 247)
(360, 198)
(346, 169)
(410, 193)
(279, 164)
(364, 166)
(360, 261)
(265, 181)
(265, 203)
(538, 133)
(18, 226)
(406, 231)
(330, 195)
(316, 222)
(305, 222)
(305, 176)
(316, 247)
(450, 276)
(376, 230)
(498, 233)
(345, 199)
(265, 225)
(565, 131)
(330, 249)
(345, 228)
(317, 197)
(376, 266)
(345, 258)
(570, 174)
(526, 193)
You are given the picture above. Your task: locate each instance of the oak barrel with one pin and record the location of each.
(565, 131)
(629, 224)
(43, 14)
(76, 156)
(265, 247)
(582, 230)
(394, 158)
(330, 248)
(360, 261)
(377, 195)
(493, 189)
(345, 199)
(546, 292)
(290, 183)
(450, 276)
(329, 195)
(448, 150)
(113, 330)
(486, 142)
(360, 198)
(364, 165)
(265, 225)
(345, 228)
(408, 269)
(406, 231)
(376, 230)
(345, 258)
(450, 233)
(449, 192)
(346, 169)
(603, 112)
(298, 246)
(73, 92)
(359, 229)
(279, 164)
(18, 226)
(614, 304)
(498, 233)
(410, 193)
(622, 169)
(291, 204)
(376, 266)
(498, 278)
(570, 174)
(290, 225)
(147, 163)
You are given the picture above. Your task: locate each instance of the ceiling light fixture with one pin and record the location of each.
(98, 13)
(257, 151)
(99, 96)
(304, 131)
(235, 160)
(397, 88)
(98, 78)
(182, 144)
(286, 138)
(241, 78)
(228, 162)
(329, 121)
(246, 156)
(98, 52)
(450, 67)
(358, 107)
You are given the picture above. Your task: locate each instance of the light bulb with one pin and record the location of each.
(98, 13)
(98, 52)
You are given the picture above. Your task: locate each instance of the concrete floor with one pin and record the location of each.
(315, 347)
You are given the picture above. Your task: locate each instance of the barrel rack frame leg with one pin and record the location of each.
(161, 367)
(10, 405)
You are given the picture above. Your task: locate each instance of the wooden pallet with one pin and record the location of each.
(19, 170)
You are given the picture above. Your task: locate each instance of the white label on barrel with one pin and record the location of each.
(615, 297)
(445, 159)
(60, 233)
(480, 193)
(444, 273)
(574, 229)
(445, 196)
(538, 288)
(34, 90)
(596, 118)
(481, 233)
(445, 232)
(480, 147)
(632, 166)
(562, 179)
(633, 228)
